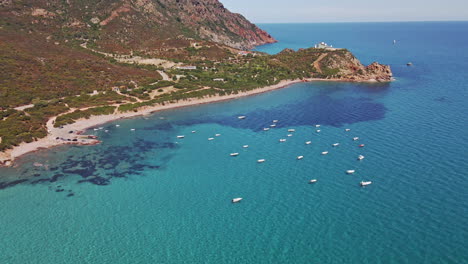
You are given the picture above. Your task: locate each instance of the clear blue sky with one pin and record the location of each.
(282, 11)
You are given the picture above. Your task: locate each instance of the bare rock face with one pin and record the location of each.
(379, 72)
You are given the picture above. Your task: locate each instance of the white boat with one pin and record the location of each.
(347, 130)
(350, 171)
(355, 138)
(275, 121)
(291, 130)
(266, 129)
(107, 131)
(95, 129)
(132, 129)
(313, 181)
(290, 135)
(336, 144)
(180, 136)
(360, 157)
(273, 125)
(210, 138)
(236, 200)
(308, 142)
(365, 183)
(261, 160)
(241, 117)
(318, 130)
(194, 131)
(282, 140)
(394, 41)
(300, 157)
(101, 128)
(245, 146)
(325, 153)
(117, 125)
(317, 125)
(234, 154)
(217, 135)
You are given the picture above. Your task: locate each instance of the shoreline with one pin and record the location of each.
(62, 136)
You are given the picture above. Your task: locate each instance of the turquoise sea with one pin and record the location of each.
(147, 197)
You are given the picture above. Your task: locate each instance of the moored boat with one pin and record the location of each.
(336, 144)
(273, 125)
(318, 130)
(317, 125)
(236, 200)
(325, 153)
(300, 157)
(234, 154)
(347, 130)
(241, 117)
(261, 160)
(361, 146)
(282, 140)
(266, 129)
(360, 157)
(308, 142)
(355, 138)
(210, 139)
(291, 130)
(245, 146)
(365, 183)
(180, 136)
(275, 121)
(350, 171)
(313, 181)
(217, 135)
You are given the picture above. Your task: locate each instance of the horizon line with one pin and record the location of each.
(393, 21)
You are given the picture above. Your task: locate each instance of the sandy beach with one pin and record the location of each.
(71, 134)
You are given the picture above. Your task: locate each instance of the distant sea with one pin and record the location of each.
(145, 196)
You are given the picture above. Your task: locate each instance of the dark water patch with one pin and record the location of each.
(97, 180)
(60, 190)
(55, 177)
(70, 194)
(321, 109)
(4, 185)
(40, 181)
(36, 175)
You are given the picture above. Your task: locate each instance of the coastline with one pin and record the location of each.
(62, 136)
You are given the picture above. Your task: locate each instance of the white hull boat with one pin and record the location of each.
(313, 181)
(261, 160)
(365, 183)
(308, 142)
(300, 157)
(180, 136)
(236, 200)
(325, 153)
(360, 157)
(234, 154)
(350, 171)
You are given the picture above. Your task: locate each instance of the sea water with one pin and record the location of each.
(146, 196)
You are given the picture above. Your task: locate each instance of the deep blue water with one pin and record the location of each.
(148, 197)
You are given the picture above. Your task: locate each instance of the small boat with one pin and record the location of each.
(180, 136)
(361, 146)
(325, 153)
(350, 171)
(336, 144)
(291, 130)
(241, 117)
(365, 183)
(290, 135)
(266, 129)
(194, 131)
(347, 130)
(313, 181)
(308, 142)
(409, 64)
(317, 125)
(275, 121)
(273, 125)
(282, 140)
(101, 128)
(355, 138)
(261, 160)
(318, 130)
(132, 129)
(107, 131)
(300, 157)
(234, 154)
(360, 157)
(236, 200)
(394, 41)
(210, 138)
(117, 125)
(245, 146)
(217, 135)
(95, 129)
